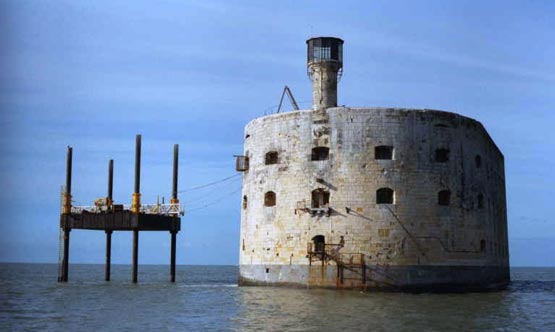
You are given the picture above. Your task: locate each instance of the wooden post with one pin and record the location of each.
(108, 254)
(172, 263)
(363, 265)
(135, 254)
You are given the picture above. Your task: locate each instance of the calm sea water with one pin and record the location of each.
(206, 298)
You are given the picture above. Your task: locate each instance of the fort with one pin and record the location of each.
(370, 198)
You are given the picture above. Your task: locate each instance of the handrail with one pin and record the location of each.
(171, 209)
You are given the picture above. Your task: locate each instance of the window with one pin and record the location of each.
(480, 201)
(483, 245)
(241, 163)
(442, 155)
(384, 196)
(271, 158)
(383, 152)
(319, 242)
(320, 198)
(320, 153)
(444, 197)
(478, 161)
(270, 198)
(245, 202)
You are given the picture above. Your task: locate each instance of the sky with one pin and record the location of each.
(93, 74)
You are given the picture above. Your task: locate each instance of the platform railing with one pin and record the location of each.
(172, 209)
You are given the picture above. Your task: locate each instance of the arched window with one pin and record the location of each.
(320, 198)
(478, 161)
(483, 245)
(270, 198)
(271, 158)
(442, 155)
(480, 201)
(444, 197)
(319, 242)
(320, 153)
(384, 196)
(245, 202)
(383, 152)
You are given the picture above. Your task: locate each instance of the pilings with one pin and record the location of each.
(110, 183)
(109, 203)
(114, 217)
(108, 254)
(136, 206)
(174, 200)
(172, 262)
(63, 268)
(136, 199)
(65, 264)
(175, 171)
(135, 255)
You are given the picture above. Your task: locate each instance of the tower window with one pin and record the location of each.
(270, 198)
(480, 201)
(384, 196)
(383, 152)
(320, 198)
(245, 202)
(482, 245)
(442, 155)
(320, 153)
(444, 197)
(478, 161)
(271, 158)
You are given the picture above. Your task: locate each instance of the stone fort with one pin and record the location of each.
(370, 198)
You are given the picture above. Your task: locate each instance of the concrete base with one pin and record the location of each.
(414, 278)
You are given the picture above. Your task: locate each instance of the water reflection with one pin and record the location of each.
(522, 307)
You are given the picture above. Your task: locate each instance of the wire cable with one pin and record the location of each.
(210, 184)
(213, 202)
(203, 195)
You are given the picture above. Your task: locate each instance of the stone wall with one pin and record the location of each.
(414, 231)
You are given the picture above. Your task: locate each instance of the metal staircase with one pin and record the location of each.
(353, 262)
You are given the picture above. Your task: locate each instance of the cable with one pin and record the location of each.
(210, 184)
(213, 202)
(207, 194)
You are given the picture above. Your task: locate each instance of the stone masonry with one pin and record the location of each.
(445, 227)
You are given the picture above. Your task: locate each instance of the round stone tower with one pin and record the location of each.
(385, 198)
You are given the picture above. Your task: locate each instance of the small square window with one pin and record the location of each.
(442, 155)
(383, 152)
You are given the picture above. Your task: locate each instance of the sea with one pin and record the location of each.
(207, 298)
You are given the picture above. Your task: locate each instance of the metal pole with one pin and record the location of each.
(136, 204)
(68, 169)
(172, 268)
(66, 209)
(175, 170)
(65, 268)
(138, 164)
(110, 179)
(135, 254)
(108, 253)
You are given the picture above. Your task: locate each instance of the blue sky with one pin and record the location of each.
(92, 74)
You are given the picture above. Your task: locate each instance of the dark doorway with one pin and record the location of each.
(320, 153)
(319, 243)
